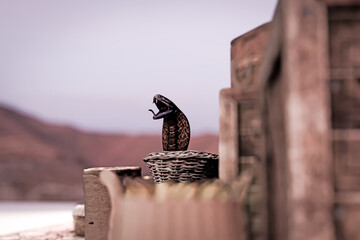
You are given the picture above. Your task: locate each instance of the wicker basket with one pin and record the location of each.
(182, 165)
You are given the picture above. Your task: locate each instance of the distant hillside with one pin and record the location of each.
(40, 161)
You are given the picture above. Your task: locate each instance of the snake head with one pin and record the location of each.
(166, 107)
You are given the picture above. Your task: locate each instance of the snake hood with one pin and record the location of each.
(176, 128)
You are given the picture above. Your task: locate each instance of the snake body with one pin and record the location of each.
(176, 127)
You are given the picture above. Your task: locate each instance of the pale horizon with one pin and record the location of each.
(96, 65)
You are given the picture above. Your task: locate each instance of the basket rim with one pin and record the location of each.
(180, 155)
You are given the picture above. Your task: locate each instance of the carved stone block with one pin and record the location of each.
(97, 201)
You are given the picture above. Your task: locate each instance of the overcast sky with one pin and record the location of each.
(96, 65)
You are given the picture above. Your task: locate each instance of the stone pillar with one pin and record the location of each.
(228, 136)
(97, 201)
(240, 123)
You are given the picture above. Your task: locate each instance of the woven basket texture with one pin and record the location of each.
(182, 165)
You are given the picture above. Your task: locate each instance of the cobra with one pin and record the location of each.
(176, 127)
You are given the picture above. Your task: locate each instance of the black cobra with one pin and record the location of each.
(176, 127)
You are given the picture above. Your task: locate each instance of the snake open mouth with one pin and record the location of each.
(164, 105)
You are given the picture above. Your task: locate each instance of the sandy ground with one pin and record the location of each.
(23, 216)
(58, 232)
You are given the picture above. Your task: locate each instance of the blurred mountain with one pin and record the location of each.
(41, 161)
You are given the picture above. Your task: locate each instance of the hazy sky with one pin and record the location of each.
(97, 64)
